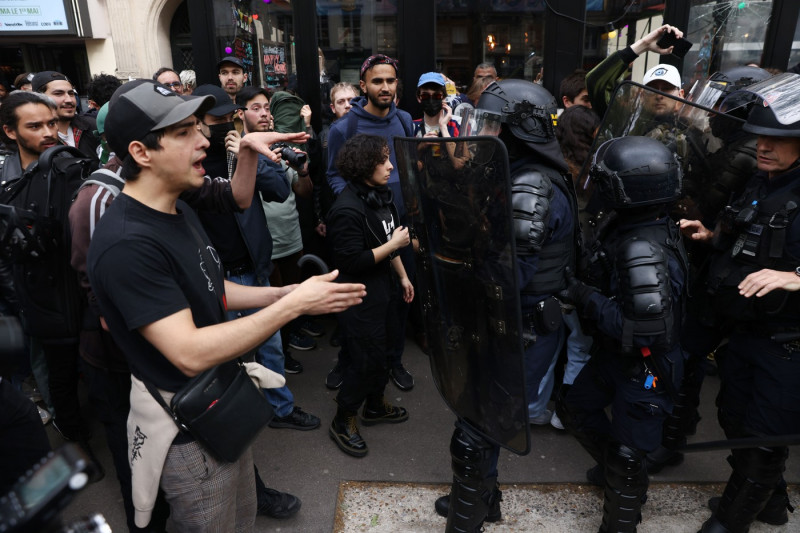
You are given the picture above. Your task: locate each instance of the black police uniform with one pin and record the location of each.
(760, 372)
(637, 364)
(545, 221)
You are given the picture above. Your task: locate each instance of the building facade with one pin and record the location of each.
(305, 44)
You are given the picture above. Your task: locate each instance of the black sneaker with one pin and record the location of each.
(301, 342)
(291, 365)
(402, 378)
(311, 327)
(386, 413)
(297, 419)
(276, 504)
(335, 377)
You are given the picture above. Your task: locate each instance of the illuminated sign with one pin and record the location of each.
(36, 16)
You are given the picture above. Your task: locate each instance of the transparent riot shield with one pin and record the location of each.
(458, 195)
(717, 157)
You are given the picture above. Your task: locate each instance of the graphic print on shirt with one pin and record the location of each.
(388, 227)
(215, 257)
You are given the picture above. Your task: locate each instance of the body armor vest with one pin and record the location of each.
(752, 237)
(554, 256)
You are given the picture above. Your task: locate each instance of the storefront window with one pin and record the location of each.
(725, 34)
(260, 34)
(349, 31)
(507, 33)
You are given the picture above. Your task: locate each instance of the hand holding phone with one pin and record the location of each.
(679, 45)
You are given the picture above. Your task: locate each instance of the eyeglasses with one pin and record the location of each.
(429, 96)
(203, 128)
(257, 108)
(174, 84)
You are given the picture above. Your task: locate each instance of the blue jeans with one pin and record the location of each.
(269, 354)
(578, 346)
(540, 364)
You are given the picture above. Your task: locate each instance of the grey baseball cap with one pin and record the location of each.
(141, 106)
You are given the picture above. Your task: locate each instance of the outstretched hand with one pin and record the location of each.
(766, 280)
(261, 141)
(695, 230)
(319, 295)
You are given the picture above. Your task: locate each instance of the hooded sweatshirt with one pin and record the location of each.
(397, 123)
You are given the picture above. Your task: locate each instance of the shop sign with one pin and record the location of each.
(36, 16)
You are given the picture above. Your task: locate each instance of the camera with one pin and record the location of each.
(37, 498)
(295, 159)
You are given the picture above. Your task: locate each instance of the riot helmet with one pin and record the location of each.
(528, 109)
(527, 112)
(762, 121)
(635, 172)
(731, 82)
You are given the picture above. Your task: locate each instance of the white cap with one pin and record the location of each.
(668, 73)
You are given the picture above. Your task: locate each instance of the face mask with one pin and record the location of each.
(431, 107)
(218, 134)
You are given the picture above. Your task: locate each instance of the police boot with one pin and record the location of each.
(442, 505)
(756, 474)
(775, 512)
(472, 493)
(344, 432)
(626, 486)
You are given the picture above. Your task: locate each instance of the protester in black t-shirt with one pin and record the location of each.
(160, 288)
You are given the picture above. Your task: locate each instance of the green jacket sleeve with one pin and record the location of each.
(602, 79)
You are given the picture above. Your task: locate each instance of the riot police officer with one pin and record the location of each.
(753, 278)
(713, 180)
(639, 275)
(545, 224)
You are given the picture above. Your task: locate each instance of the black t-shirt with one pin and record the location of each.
(145, 265)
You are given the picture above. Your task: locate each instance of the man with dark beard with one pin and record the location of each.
(376, 114)
(73, 129)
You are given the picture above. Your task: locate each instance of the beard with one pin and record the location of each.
(373, 99)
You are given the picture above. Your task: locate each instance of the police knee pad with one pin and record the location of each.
(471, 455)
(625, 467)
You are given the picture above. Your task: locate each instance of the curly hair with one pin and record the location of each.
(575, 133)
(360, 155)
(102, 87)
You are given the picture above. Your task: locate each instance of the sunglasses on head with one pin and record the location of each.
(429, 96)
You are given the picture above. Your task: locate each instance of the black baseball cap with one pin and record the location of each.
(141, 106)
(40, 79)
(230, 59)
(224, 103)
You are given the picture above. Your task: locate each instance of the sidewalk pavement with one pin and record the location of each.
(415, 456)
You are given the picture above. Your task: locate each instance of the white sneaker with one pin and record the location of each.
(556, 422)
(45, 415)
(542, 419)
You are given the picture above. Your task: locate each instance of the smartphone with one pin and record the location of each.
(681, 45)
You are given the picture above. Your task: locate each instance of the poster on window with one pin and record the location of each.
(35, 16)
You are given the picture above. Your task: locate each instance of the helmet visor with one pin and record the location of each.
(477, 122)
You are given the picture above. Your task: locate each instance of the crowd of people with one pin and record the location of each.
(167, 241)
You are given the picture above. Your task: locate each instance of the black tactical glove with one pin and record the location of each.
(577, 292)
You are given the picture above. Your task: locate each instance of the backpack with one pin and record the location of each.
(35, 237)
